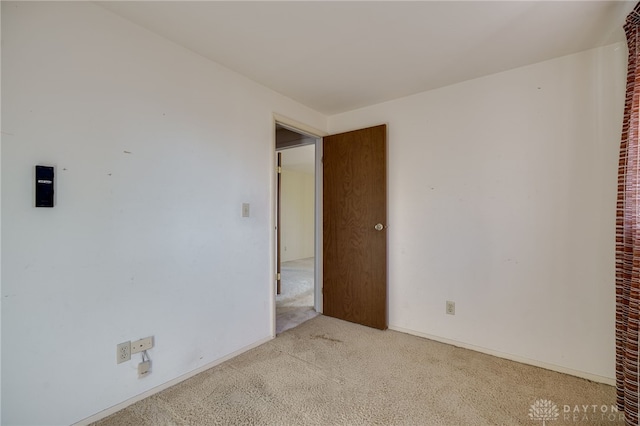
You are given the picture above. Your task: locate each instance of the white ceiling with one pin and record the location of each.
(335, 56)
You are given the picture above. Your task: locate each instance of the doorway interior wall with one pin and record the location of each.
(308, 136)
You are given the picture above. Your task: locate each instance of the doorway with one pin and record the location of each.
(350, 257)
(296, 254)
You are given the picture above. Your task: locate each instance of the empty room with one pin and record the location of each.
(470, 227)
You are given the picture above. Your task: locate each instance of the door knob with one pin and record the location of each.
(379, 227)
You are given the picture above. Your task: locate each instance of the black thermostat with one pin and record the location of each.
(44, 186)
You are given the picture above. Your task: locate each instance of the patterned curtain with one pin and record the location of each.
(628, 235)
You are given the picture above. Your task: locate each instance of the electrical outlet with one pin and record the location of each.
(246, 209)
(451, 307)
(142, 345)
(123, 352)
(144, 368)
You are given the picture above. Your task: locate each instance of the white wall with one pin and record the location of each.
(502, 196)
(297, 220)
(155, 150)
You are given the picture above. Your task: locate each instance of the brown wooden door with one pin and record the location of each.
(354, 202)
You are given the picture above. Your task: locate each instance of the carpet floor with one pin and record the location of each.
(294, 304)
(331, 372)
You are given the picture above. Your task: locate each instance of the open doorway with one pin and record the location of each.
(296, 242)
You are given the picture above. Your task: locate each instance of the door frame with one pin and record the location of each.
(317, 134)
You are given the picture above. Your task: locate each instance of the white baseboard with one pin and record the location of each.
(111, 410)
(584, 375)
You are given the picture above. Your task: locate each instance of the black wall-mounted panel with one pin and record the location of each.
(44, 186)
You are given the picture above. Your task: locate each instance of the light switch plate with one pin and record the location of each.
(246, 210)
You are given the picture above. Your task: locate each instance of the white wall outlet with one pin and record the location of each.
(142, 345)
(451, 307)
(123, 352)
(144, 368)
(246, 209)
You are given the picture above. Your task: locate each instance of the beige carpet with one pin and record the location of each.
(331, 372)
(294, 304)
